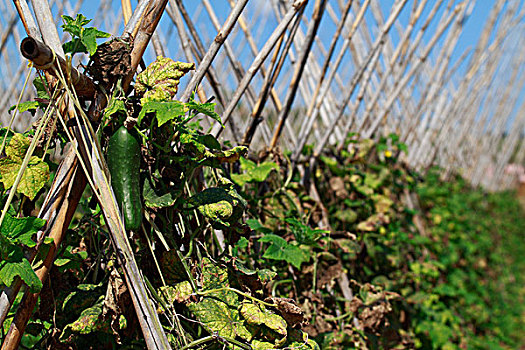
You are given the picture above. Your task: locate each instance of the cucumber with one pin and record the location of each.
(123, 158)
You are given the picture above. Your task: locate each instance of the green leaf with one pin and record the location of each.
(282, 250)
(202, 144)
(116, 105)
(153, 200)
(253, 172)
(74, 26)
(26, 106)
(83, 39)
(40, 86)
(304, 234)
(70, 260)
(89, 39)
(74, 46)
(207, 108)
(255, 225)
(21, 230)
(209, 141)
(17, 265)
(164, 111)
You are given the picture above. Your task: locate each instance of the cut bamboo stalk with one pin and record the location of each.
(386, 75)
(43, 58)
(186, 44)
(268, 84)
(328, 57)
(213, 77)
(324, 90)
(427, 103)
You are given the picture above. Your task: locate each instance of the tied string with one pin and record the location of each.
(70, 76)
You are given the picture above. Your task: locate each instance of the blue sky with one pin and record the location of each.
(469, 37)
(472, 28)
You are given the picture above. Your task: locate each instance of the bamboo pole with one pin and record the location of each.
(268, 84)
(213, 77)
(301, 62)
(214, 48)
(371, 59)
(257, 62)
(324, 90)
(302, 138)
(414, 68)
(364, 84)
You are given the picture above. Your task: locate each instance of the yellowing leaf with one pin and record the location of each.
(35, 175)
(216, 316)
(17, 146)
(34, 178)
(257, 315)
(160, 80)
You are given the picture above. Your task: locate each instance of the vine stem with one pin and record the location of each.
(246, 295)
(210, 338)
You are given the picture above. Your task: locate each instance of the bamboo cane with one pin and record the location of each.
(257, 62)
(444, 25)
(312, 31)
(358, 75)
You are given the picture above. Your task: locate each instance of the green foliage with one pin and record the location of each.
(84, 39)
(279, 249)
(30, 106)
(252, 172)
(14, 234)
(164, 111)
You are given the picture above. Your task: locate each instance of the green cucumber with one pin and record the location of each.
(123, 159)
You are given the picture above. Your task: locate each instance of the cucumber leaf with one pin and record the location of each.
(17, 265)
(279, 249)
(35, 175)
(164, 111)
